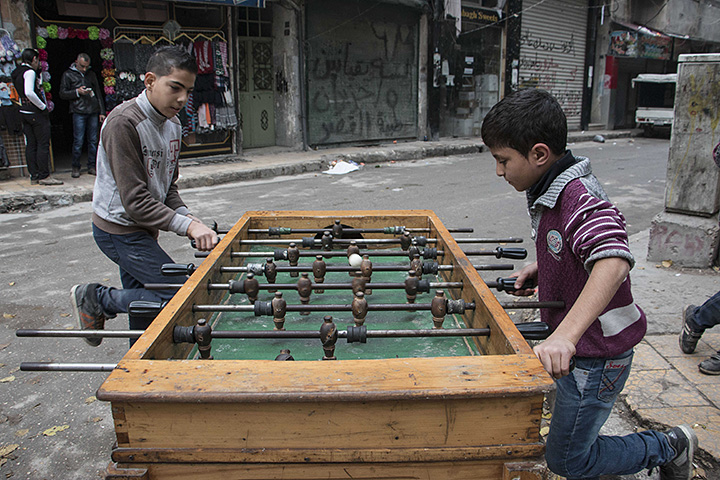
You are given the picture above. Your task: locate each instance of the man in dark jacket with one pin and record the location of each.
(80, 87)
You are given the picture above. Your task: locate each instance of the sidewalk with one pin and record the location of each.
(17, 195)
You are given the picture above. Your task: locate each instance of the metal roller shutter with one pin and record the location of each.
(552, 51)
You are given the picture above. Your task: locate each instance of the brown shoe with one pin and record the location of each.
(50, 181)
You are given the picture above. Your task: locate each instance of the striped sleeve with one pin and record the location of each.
(595, 229)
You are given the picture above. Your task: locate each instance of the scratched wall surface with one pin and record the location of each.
(552, 52)
(693, 179)
(362, 67)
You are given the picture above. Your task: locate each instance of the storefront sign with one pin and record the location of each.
(657, 47)
(638, 45)
(623, 44)
(481, 15)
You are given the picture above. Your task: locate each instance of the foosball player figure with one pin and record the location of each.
(328, 337)
(326, 240)
(359, 308)
(337, 229)
(358, 283)
(411, 286)
(270, 273)
(416, 264)
(252, 287)
(136, 194)
(304, 288)
(583, 259)
(352, 248)
(438, 308)
(203, 338)
(319, 268)
(279, 307)
(366, 269)
(284, 355)
(405, 241)
(293, 255)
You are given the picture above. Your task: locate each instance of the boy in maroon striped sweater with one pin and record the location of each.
(583, 258)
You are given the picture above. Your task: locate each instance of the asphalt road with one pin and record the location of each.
(60, 431)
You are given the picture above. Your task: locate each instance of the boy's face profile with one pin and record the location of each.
(169, 93)
(519, 171)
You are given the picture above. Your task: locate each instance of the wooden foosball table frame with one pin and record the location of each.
(470, 417)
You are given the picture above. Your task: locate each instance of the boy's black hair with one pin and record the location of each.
(28, 54)
(165, 59)
(523, 119)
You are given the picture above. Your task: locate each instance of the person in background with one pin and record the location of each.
(36, 118)
(80, 87)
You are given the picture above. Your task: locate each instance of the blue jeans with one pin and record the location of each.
(583, 403)
(85, 126)
(139, 257)
(708, 314)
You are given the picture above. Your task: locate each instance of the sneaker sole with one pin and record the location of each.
(708, 372)
(93, 342)
(692, 446)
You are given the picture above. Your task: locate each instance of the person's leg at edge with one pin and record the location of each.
(584, 400)
(708, 314)
(91, 132)
(140, 259)
(79, 122)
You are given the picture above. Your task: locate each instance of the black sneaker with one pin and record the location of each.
(87, 310)
(684, 442)
(711, 366)
(75, 172)
(688, 335)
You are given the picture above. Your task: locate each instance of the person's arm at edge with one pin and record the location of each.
(605, 278)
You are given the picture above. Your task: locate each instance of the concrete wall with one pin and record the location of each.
(16, 20)
(286, 65)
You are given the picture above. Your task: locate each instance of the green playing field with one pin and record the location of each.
(311, 349)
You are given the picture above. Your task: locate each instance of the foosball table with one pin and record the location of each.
(361, 351)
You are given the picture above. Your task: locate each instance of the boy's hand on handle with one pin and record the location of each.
(526, 273)
(555, 354)
(205, 238)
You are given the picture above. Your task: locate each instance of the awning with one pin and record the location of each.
(655, 78)
(647, 31)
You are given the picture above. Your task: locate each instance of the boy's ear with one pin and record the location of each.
(540, 154)
(150, 79)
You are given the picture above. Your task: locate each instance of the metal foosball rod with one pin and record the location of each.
(426, 253)
(202, 335)
(423, 286)
(339, 229)
(309, 242)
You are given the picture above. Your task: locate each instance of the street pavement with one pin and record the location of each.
(665, 387)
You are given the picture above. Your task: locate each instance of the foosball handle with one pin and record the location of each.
(142, 308)
(511, 252)
(508, 284)
(534, 330)
(172, 269)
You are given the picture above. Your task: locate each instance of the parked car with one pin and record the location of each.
(655, 101)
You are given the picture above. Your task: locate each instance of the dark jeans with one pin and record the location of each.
(584, 400)
(36, 127)
(85, 126)
(708, 314)
(139, 257)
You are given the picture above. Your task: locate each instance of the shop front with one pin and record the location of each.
(120, 37)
